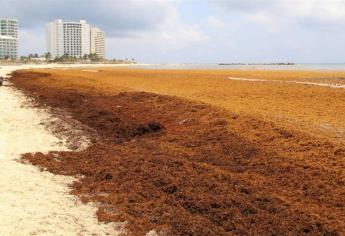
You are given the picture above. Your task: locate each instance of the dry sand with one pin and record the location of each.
(34, 202)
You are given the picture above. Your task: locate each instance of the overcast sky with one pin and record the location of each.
(207, 31)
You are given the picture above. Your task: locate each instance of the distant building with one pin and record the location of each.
(68, 38)
(73, 39)
(98, 42)
(8, 38)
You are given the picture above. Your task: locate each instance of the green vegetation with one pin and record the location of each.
(46, 58)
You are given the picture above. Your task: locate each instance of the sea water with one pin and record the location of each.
(297, 66)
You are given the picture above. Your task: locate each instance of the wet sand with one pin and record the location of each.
(192, 152)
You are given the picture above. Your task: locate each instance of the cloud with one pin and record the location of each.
(270, 22)
(246, 6)
(155, 25)
(116, 17)
(195, 30)
(31, 41)
(170, 37)
(215, 22)
(276, 14)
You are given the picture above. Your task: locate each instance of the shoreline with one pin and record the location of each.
(34, 201)
(59, 65)
(306, 67)
(253, 169)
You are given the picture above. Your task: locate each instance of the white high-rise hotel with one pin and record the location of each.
(8, 38)
(97, 42)
(74, 39)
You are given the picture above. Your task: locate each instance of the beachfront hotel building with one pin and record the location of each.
(8, 38)
(97, 42)
(74, 39)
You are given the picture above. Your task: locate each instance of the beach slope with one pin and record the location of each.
(194, 152)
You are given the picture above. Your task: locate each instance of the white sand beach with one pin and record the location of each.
(34, 202)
